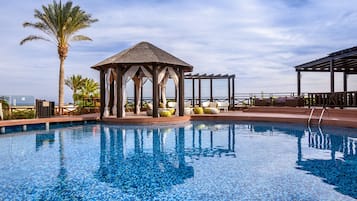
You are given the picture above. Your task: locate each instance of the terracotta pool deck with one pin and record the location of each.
(333, 117)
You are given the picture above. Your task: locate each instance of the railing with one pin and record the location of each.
(336, 99)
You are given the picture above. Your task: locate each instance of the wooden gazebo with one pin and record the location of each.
(344, 61)
(142, 61)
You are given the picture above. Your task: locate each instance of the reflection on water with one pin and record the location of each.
(143, 162)
(340, 172)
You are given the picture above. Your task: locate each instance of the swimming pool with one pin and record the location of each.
(194, 161)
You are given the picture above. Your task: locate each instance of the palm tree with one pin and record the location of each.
(89, 88)
(60, 22)
(75, 83)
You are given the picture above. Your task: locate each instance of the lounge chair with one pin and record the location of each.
(223, 106)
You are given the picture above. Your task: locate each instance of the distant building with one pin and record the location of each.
(19, 100)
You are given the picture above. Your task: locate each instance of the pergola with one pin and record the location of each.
(139, 63)
(211, 77)
(344, 61)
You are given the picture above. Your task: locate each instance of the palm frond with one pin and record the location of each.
(80, 37)
(33, 37)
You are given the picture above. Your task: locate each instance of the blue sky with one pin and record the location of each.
(260, 41)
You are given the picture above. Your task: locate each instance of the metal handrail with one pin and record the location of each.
(309, 120)
(322, 113)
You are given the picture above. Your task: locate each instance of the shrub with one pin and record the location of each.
(23, 114)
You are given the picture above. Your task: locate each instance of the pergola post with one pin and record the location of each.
(181, 92)
(299, 83)
(345, 77)
(193, 92)
(233, 92)
(119, 92)
(199, 92)
(211, 90)
(332, 76)
(229, 90)
(155, 92)
(102, 92)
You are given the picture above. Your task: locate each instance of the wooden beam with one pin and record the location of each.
(181, 92)
(111, 98)
(345, 77)
(229, 91)
(119, 92)
(193, 92)
(211, 89)
(102, 92)
(233, 93)
(155, 92)
(199, 93)
(332, 76)
(298, 83)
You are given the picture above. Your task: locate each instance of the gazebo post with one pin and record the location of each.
(299, 83)
(155, 91)
(102, 92)
(181, 92)
(193, 92)
(135, 98)
(199, 92)
(141, 96)
(210, 90)
(332, 76)
(119, 92)
(111, 98)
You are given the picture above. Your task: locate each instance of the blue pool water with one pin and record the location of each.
(195, 161)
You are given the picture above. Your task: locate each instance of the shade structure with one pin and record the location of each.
(344, 61)
(140, 61)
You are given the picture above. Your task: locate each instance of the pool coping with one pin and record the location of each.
(333, 117)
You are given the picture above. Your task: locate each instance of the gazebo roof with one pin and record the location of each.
(141, 54)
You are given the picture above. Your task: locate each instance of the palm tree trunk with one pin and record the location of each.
(61, 86)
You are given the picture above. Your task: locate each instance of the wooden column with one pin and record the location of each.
(199, 93)
(181, 92)
(210, 90)
(135, 98)
(155, 92)
(141, 96)
(193, 92)
(332, 76)
(229, 90)
(111, 98)
(233, 92)
(299, 83)
(119, 92)
(102, 92)
(345, 76)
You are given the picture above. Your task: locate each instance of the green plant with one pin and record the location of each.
(60, 22)
(23, 114)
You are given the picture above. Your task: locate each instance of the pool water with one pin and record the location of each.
(194, 161)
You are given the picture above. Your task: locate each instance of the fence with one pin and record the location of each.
(336, 99)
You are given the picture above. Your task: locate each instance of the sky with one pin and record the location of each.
(257, 40)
